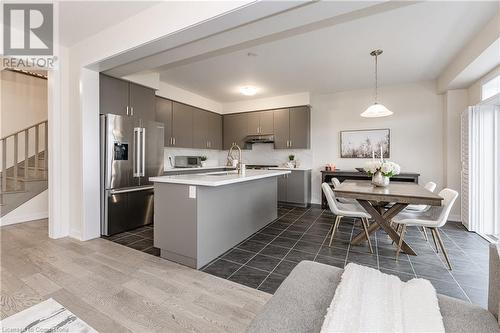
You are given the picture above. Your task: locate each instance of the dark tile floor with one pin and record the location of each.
(140, 239)
(265, 259)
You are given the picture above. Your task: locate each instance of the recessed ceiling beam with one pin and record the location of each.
(305, 18)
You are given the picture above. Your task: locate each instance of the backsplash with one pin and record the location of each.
(213, 156)
(261, 153)
(264, 153)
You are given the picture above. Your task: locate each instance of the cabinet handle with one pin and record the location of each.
(173, 141)
(290, 144)
(127, 110)
(131, 110)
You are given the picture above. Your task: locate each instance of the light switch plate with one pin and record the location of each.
(192, 192)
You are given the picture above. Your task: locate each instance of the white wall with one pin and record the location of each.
(34, 209)
(274, 102)
(181, 95)
(151, 80)
(23, 103)
(416, 129)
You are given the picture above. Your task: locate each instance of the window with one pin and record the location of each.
(490, 88)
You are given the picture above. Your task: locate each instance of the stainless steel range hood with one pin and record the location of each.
(264, 138)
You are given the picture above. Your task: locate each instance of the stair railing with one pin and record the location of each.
(14, 152)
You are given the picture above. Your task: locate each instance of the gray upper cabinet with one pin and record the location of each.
(300, 127)
(163, 111)
(207, 130)
(235, 127)
(125, 98)
(214, 130)
(292, 128)
(187, 126)
(182, 125)
(266, 121)
(260, 122)
(281, 128)
(113, 96)
(141, 102)
(200, 129)
(253, 123)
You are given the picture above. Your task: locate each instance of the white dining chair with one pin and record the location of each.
(430, 186)
(433, 218)
(336, 183)
(341, 210)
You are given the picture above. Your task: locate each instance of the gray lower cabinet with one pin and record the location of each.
(235, 129)
(295, 187)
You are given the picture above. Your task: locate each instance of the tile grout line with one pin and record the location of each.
(324, 239)
(444, 265)
(458, 246)
(349, 246)
(291, 248)
(268, 243)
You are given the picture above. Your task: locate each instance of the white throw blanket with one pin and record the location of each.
(367, 300)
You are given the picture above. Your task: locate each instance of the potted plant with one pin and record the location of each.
(381, 171)
(291, 163)
(203, 161)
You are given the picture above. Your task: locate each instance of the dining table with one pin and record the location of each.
(384, 203)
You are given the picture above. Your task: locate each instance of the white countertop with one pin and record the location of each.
(199, 168)
(291, 169)
(218, 178)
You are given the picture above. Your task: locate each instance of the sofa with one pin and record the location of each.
(301, 302)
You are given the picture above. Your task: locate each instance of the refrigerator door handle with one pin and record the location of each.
(143, 152)
(136, 153)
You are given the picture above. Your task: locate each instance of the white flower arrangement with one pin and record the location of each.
(388, 169)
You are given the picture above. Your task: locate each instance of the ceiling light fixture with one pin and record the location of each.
(376, 110)
(248, 90)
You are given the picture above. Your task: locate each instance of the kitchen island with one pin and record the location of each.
(198, 217)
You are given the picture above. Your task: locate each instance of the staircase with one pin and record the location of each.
(24, 172)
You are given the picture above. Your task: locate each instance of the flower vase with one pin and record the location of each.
(378, 179)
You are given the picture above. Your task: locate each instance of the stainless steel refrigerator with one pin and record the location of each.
(131, 152)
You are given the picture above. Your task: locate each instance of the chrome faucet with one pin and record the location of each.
(230, 156)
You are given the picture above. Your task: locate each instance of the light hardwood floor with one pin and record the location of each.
(117, 289)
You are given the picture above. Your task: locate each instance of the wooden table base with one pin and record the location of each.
(383, 220)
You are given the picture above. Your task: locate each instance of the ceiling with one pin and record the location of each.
(81, 19)
(418, 40)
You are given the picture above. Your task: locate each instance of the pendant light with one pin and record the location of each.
(376, 110)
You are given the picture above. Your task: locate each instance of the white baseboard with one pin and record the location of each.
(6, 220)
